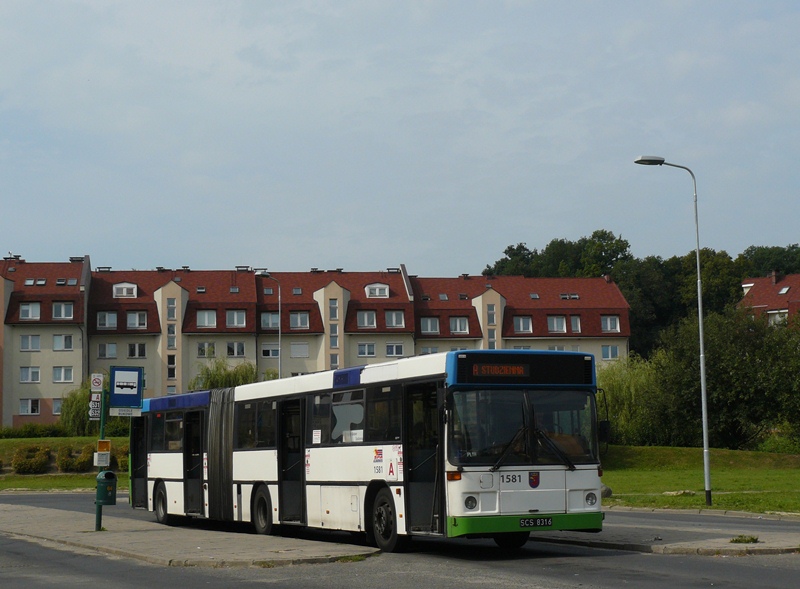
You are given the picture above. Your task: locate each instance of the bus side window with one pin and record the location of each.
(383, 415)
(157, 432)
(245, 425)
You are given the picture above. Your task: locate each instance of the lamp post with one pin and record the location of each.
(650, 160)
(266, 274)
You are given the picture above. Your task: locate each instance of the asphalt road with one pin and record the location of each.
(432, 563)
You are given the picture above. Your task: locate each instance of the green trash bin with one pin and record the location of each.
(106, 488)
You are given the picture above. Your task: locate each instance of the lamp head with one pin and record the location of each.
(649, 160)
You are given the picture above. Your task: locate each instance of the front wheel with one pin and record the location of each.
(384, 523)
(160, 505)
(511, 541)
(262, 512)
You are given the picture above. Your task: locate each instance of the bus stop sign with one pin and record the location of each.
(126, 386)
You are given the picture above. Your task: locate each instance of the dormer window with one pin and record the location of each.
(125, 290)
(377, 291)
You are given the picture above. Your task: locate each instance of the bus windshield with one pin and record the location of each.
(516, 427)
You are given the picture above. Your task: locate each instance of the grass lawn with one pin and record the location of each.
(741, 481)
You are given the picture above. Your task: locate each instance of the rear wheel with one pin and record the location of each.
(384, 523)
(511, 541)
(160, 505)
(262, 511)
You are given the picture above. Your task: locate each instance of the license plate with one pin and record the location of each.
(535, 522)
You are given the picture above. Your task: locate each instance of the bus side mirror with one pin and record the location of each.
(603, 431)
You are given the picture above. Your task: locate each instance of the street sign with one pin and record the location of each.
(94, 407)
(125, 412)
(97, 383)
(126, 386)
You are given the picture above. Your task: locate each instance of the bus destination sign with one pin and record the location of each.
(500, 370)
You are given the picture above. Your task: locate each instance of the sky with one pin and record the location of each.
(367, 134)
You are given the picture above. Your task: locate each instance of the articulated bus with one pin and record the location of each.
(471, 443)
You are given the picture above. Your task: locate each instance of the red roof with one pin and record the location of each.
(772, 293)
(45, 283)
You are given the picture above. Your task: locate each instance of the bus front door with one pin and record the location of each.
(138, 453)
(292, 495)
(423, 462)
(193, 462)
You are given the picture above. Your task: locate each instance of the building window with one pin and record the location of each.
(575, 323)
(29, 374)
(235, 318)
(106, 351)
(205, 350)
(334, 335)
(556, 324)
(394, 349)
(366, 319)
(522, 324)
(609, 323)
(459, 325)
(333, 309)
(429, 350)
(107, 320)
(235, 349)
(377, 291)
(297, 291)
(366, 350)
(334, 361)
(207, 318)
(429, 324)
(172, 366)
(610, 352)
(492, 338)
(137, 350)
(298, 320)
(29, 311)
(395, 319)
(57, 406)
(556, 348)
(522, 347)
(491, 315)
(268, 290)
(298, 350)
(29, 343)
(778, 317)
(172, 309)
(171, 390)
(62, 310)
(172, 339)
(62, 374)
(29, 406)
(62, 343)
(137, 319)
(269, 320)
(270, 351)
(125, 290)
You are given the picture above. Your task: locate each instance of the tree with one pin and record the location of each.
(745, 380)
(761, 260)
(218, 375)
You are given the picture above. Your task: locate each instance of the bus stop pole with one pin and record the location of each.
(98, 508)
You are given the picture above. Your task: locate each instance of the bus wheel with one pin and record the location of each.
(511, 541)
(160, 505)
(384, 523)
(262, 512)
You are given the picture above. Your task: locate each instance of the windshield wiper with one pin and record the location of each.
(523, 429)
(543, 437)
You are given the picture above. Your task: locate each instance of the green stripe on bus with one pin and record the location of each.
(492, 524)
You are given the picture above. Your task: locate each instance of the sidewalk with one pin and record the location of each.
(195, 545)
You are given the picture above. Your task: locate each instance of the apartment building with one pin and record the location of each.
(64, 321)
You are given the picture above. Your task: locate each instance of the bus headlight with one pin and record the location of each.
(591, 499)
(470, 502)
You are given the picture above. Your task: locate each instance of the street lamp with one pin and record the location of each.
(651, 160)
(265, 274)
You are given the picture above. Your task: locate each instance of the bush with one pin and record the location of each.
(119, 458)
(68, 462)
(33, 430)
(31, 460)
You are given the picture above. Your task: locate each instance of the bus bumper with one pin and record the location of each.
(540, 522)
